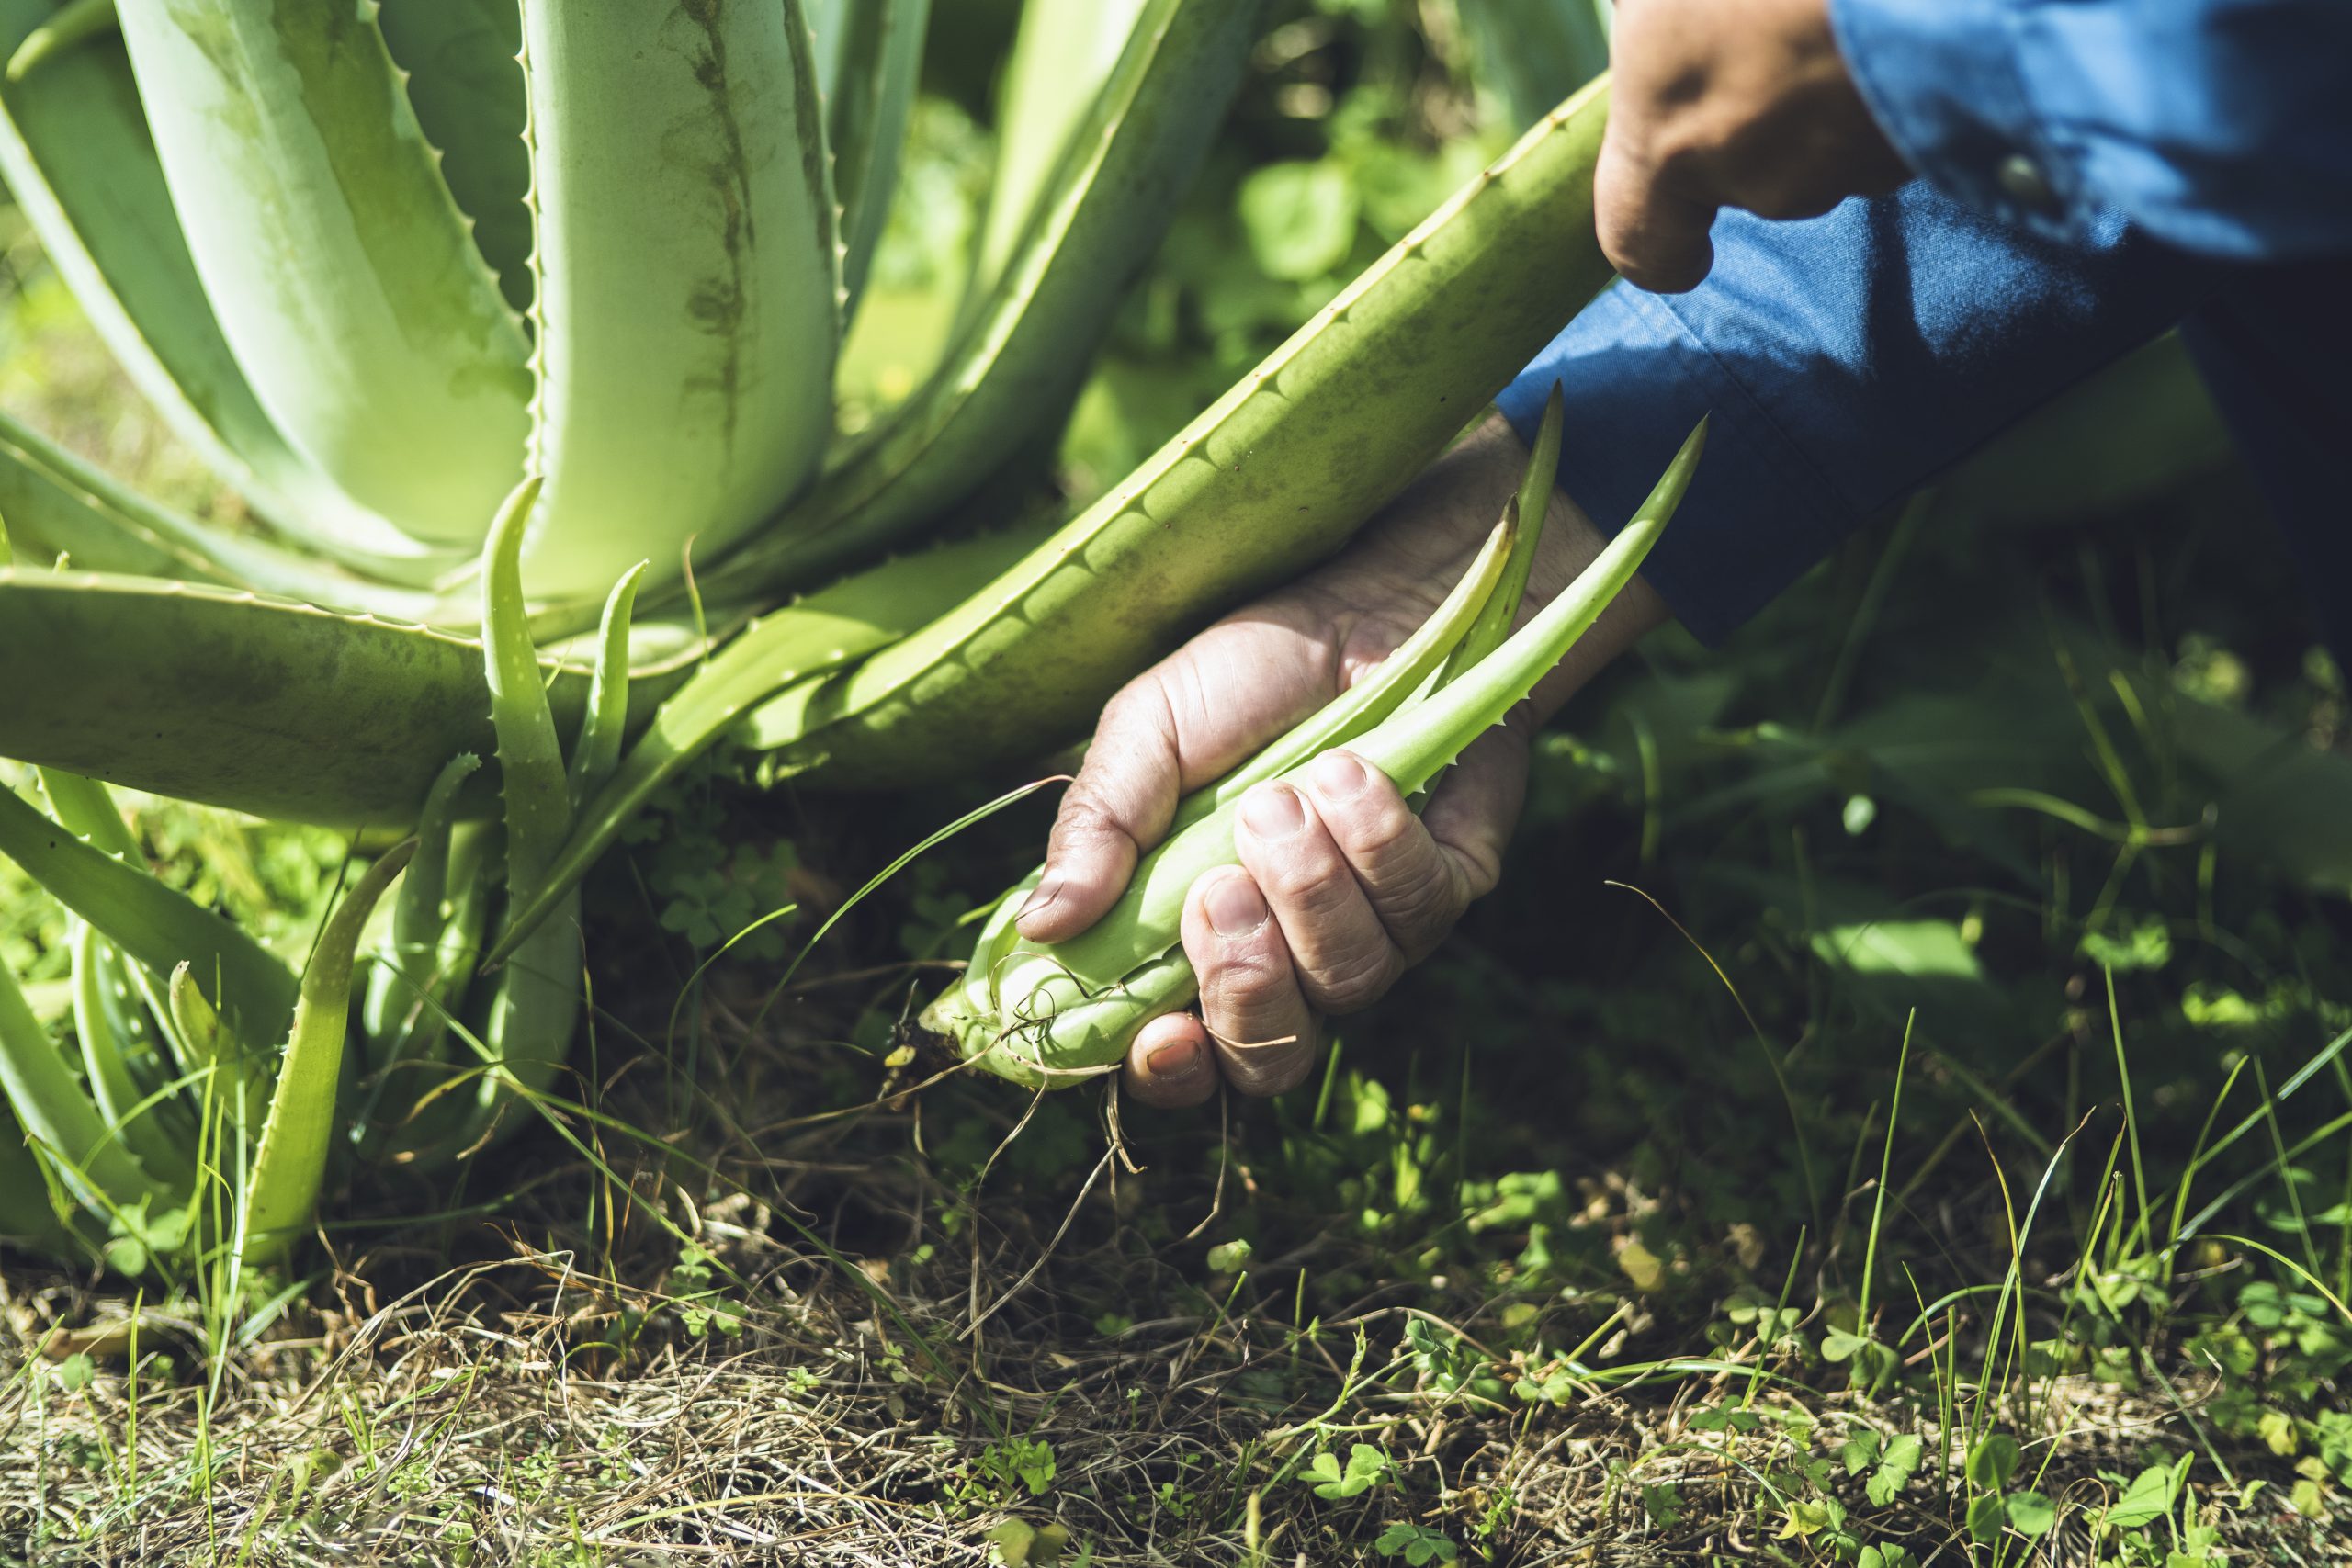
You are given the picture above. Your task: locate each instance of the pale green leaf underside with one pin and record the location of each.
(343, 273)
(688, 288)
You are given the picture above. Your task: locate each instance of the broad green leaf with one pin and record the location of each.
(1020, 359)
(1531, 53)
(467, 89)
(265, 707)
(343, 273)
(2032, 1514)
(76, 154)
(1062, 60)
(1272, 477)
(27, 1219)
(1992, 1460)
(291, 1161)
(2147, 1499)
(1300, 218)
(869, 54)
(688, 280)
(1922, 949)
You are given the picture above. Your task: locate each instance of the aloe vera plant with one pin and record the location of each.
(1052, 1014)
(641, 364)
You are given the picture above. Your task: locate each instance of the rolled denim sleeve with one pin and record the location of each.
(2223, 127)
(1841, 362)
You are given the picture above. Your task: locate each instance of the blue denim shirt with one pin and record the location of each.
(2094, 172)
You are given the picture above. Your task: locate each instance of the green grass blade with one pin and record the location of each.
(1015, 366)
(273, 708)
(599, 748)
(157, 926)
(467, 88)
(689, 278)
(342, 272)
(1271, 478)
(781, 651)
(291, 1160)
(77, 154)
(869, 92)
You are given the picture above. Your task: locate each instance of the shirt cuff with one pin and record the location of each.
(1634, 380)
(1941, 78)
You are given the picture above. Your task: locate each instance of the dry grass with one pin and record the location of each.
(546, 1383)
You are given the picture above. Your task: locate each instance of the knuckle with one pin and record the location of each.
(1352, 981)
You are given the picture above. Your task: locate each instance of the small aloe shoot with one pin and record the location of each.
(1052, 1014)
(290, 1162)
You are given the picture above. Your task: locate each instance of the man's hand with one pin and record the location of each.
(1726, 103)
(1340, 886)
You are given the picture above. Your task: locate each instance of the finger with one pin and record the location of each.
(1414, 889)
(1338, 946)
(1263, 1031)
(1179, 724)
(1121, 801)
(1171, 1065)
(1656, 238)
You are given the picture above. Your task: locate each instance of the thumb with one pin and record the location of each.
(1654, 239)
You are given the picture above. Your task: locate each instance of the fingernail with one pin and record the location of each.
(1234, 907)
(1338, 775)
(1177, 1059)
(1045, 893)
(1273, 811)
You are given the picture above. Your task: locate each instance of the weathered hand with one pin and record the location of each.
(1340, 887)
(1726, 103)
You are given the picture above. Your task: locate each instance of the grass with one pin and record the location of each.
(1897, 1109)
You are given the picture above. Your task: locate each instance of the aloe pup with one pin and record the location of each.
(1052, 1014)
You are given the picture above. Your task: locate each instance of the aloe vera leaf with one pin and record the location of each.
(404, 1066)
(1074, 1004)
(1416, 744)
(1496, 617)
(598, 750)
(77, 154)
(234, 1081)
(777, 653)
(1374, 698)
(467, 89)
(1271, 478)
(408, 977)
(1063, 54)
(65, 505)
(874, 57)
(689, 285)
(341, 270)
(1015, 366)
(26, 1220)
(1532, 54)
(108, 1028)
(75, 22)
(291, 1160)
(273, 708)
(51, 1102)
(157, 926)
(535, 796)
